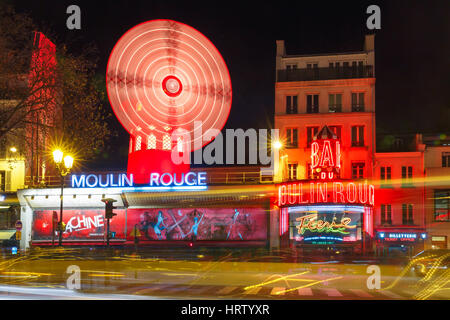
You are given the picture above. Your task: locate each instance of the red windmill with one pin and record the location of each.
(163, 76)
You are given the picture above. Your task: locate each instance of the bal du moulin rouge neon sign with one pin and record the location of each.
(325, 186)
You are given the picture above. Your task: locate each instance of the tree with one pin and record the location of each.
(48, 96)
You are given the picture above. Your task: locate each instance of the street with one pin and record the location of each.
(181, 274)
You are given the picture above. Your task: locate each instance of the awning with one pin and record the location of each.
(6, 234)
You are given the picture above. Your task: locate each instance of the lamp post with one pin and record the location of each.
(63, 169)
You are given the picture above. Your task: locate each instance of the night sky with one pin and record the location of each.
(412, 51)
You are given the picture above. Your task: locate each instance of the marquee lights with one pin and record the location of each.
(326, 192)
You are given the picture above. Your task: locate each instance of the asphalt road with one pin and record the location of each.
(48, 274)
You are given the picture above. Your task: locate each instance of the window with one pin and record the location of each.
(167, 144)
(357, 170)
(310, 133)
(407, 214)
(385, 175)
(292, 168)
(138, 143)
(442, 205)
(357, 101)
(335, 102)
(386, 214)
(312, 103)
(445, 159)
(336, 130)
(407, 173)
(291, 67)
(151, 141)
(357, 136)
(291, 104)
(291, 138)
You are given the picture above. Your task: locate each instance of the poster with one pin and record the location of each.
(223, 224)
(81, 225)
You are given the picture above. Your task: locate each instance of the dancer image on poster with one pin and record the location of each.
(159, 225)
(194, 229)
(145, 223)
(232, 224)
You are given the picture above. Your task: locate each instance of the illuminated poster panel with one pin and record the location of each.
(325, 224)
(232, 224)
(81, 225)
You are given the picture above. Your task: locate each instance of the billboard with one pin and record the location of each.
(81, 225)
(325, 224)
(222, 224)
(240, 224)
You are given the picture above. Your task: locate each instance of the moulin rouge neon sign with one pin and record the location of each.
(324, 186)
(325, 192)
(157, 180)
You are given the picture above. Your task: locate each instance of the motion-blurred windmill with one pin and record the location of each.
(163, 76)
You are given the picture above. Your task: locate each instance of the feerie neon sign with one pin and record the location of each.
(325, 192)
(175, 180)
(312, 224)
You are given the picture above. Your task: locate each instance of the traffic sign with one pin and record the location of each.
(18, 225)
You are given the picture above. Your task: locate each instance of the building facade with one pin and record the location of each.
(338, 91)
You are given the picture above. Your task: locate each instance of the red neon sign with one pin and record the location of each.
(325, 159)
(326, 192)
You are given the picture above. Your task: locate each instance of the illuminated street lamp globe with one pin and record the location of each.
(162, 77)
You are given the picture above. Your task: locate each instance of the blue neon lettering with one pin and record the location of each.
(186, 179)
(202, 178)
(89, 184)
(166, 183)
(78, 183)
(128, 181)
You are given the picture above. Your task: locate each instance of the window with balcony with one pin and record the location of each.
(357, 136)
(292, 168)
(312, 103)
(442, 205)
(291, 138)
(358, 170)
(407, 214)
(407, 175)
(446, 159)
(310, 133)
(291, 104)
(291, 67)
(385, 176)
(386, 214)
(357, 101)
(335, 102)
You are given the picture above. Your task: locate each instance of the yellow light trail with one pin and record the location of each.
(27, 273)
(105, 275)
(275, 280)
(308, 285)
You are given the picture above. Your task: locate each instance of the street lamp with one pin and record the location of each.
(63, 169)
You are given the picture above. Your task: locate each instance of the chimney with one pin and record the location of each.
(369, 42)
(281, 50)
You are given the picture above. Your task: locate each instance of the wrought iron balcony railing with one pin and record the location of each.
(324, 73)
